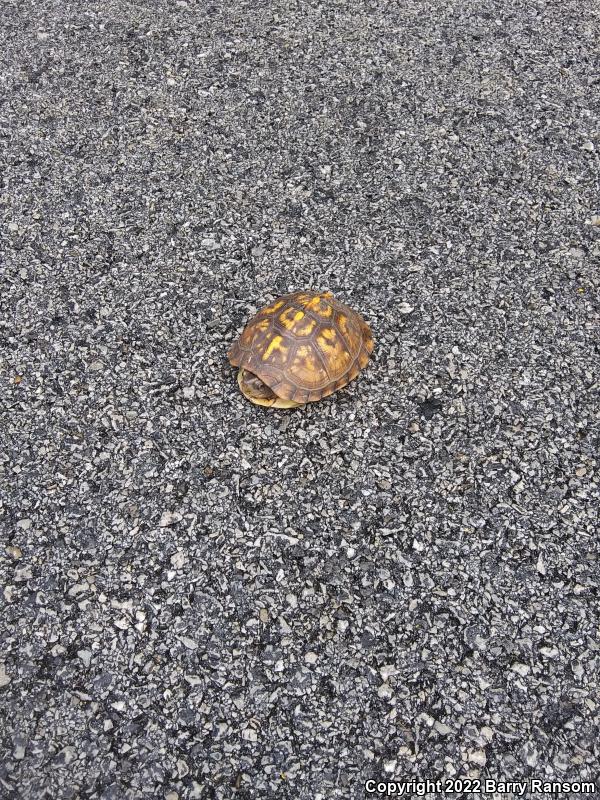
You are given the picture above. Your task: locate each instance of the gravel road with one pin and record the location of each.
(200, 598)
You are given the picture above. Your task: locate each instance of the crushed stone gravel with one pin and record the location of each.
(203, 599)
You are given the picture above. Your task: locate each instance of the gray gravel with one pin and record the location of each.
(204, 599)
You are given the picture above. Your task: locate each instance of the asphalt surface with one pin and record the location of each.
(205, 599)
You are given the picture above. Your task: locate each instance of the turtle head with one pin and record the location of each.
(253, 387)
(257, 391)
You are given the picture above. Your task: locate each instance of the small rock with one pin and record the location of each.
(85, 656)
(77, 589)
(540, 566)
(487, 733)
(311, 658)
(23, 574)
(19, 748)
(182, 768)
(196, 792)
(561, 761)
(169, 518)
(588, 146)
(477, 757)
(442, 728)
(178, 559)
(520, 669)
(531, 754)
(65, 757)
(385, 691)
(387, 670)
(4, 678)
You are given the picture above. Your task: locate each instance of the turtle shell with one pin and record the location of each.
(304, 346)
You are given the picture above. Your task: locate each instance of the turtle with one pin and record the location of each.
(302, 347)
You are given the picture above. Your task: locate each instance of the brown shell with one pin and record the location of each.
(304, 346)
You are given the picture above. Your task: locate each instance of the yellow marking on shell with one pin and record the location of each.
(320, 306)
(274, 345)
(352, 331)
(299, 315)
(305, 326)
(336, 356)
(248, 337)
(345, 329)
(306, 367)
(301, 298)
(289, 317)
(273, 307)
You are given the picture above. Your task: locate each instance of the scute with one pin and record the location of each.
(350, 332)
(320, 306)
(336, 354)
(307, 369)
(276, 350)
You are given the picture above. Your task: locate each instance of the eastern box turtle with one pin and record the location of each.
(302, 347)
